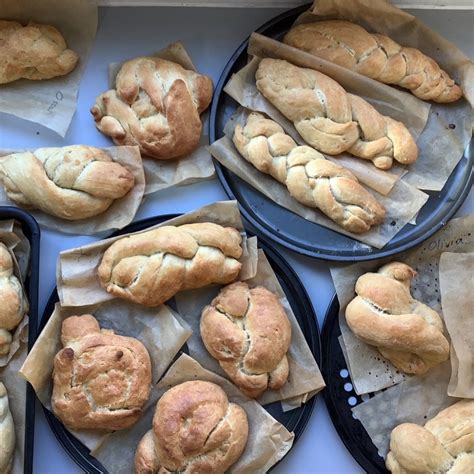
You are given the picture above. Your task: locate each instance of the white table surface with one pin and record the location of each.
(211, 36)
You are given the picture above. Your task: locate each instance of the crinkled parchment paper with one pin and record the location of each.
(449, 127)
(369, 370)
(76, 272)
(456, 282)
(197, 166)
(268, 440)
(51, 102)
(305, 379)
(416, 400)
(118, 215)
(157, 328)
(402, 204)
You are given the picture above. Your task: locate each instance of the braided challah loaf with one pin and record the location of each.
(248, 332)
(405, 331)
(444, 446)
(74, 182)
(33, 52)
(195, 430)
(151, 267)
(375, 56)
(7, 433)
(156, 104)
(101, 380)
(331, 120)
(310, 179)
(13, 303)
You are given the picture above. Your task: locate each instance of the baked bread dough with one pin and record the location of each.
(385, 315)
(444, 446)
(33, 52)
(331, 120)
(7, 433)
(14, 304)
(308, 176)
(376, 56)
(150, 267)
(248, 332)
(156, 104)
(195, 430)
(101, 380)
(74, 182)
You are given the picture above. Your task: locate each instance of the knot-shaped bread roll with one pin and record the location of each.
(13, 303)
(195, 430)
(74, 182)
(376, 56)
(101, 380)
(248, 332)
(156, 104)
(309, 177)
(33, 52)
(444, 446)
(151, 267)
(7, 433)
(405, 331)
(331, 120)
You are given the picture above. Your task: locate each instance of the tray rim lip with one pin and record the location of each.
(26, 219)
(67, 439)
(272, 235)
(354, 450)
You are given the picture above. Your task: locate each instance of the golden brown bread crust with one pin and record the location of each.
(74, 182)
(101, 380)
(151, 267)
(7, 433)
(33, 52)
(309, 177)
(156, 104)
(13, 302)
(195, 430)
(444, 446)
(248, 332)
(331, 120)
(376, 56)
(405, 331)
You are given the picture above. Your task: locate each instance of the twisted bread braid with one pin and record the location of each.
(156, 105)
(151, 267)
(331, 120)
(13, 305)
(444, 446)
(7, 433)
(376, 56)
(33, 52)
(195, 430)
(74, 182)
(310, 179)
(248, 332)
(101, 380)
(405, 331)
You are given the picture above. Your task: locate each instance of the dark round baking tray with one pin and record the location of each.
(340, 396)
(305, 237)
(294, 420)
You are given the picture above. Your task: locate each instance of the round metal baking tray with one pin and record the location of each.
(340, 396)
(295, 232)
(294, 420)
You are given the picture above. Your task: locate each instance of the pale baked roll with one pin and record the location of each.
(7, 433)
(101, 380)
(156, 104)
(248, 332)
(74, 182)
(33, 52)
(195, 430)
(385, 315)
